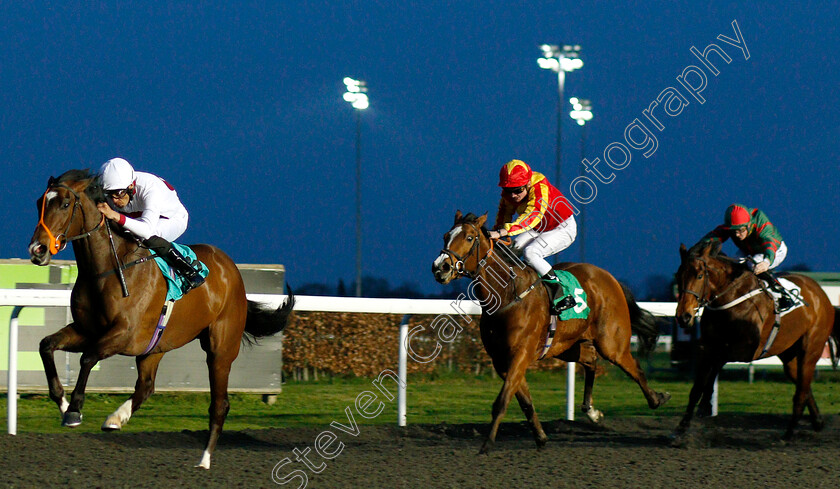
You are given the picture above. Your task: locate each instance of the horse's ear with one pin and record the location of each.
(51, 182)
(458, 216)
(714, 249)
(683, 252)
(481, 220)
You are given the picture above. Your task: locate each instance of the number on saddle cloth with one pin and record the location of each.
(571, 287)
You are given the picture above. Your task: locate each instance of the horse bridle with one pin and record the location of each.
(460, 262)
(700, 297)
(55, 240)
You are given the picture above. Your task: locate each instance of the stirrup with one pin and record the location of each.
(784, 303)
(566, 302)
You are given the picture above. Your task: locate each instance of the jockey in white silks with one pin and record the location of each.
(149, 208)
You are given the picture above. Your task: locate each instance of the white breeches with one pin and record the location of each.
(781, 253)
(535, 247)
(171, 229)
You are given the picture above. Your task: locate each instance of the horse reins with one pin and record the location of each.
(55, 240)
(702, 303)
(460, 266)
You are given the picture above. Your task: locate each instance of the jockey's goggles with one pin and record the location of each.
(117, 194)
(514, 190)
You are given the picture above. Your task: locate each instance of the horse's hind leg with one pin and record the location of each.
(218, 363)
(622, 358)
(514, 375)
(523, 395)
(588, 359)
(593, 414)
(66, 339)
(144, 387)
(802, 377)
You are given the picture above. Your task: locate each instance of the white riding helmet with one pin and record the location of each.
(117, 174)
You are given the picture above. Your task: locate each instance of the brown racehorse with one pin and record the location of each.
(515, 320)
(105, 323)
(739, 333)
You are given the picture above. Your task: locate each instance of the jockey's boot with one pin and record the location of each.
(188, 269)
(785, 302)
(555, 289)
(185, 267)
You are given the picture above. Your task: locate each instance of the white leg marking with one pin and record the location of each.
(594, 415)
(119, 417)
(64, 406)
(205, 460)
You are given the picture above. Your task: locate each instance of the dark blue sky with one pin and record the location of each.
(239, 105)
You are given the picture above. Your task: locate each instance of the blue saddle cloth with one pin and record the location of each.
(177, 285)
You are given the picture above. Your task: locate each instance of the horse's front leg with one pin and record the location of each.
(115, 341)
(144, 387)
(73, 415)
(523, 395)
(514, 375)
(66, 339)
(702, 379)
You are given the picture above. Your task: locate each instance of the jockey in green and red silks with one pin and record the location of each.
(758, 240)
(753, 234)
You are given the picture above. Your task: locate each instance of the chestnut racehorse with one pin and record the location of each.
(105, 323)
(515, 320)
(737, 321)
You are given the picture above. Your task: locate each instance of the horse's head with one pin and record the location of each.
(63, 209)
(700, 274)
(462, 247)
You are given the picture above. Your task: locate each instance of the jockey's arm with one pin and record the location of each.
(143, 227)
(718, 234)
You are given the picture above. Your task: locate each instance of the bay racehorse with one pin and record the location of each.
(737, 321)
(515, 320)
(106, 323)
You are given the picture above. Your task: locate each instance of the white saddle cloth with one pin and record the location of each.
(793, 290)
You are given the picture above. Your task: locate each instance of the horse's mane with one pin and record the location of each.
(695, 251)
(471, 218)
(94, 182)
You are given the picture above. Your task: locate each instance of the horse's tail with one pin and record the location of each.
(642, 322)
(263, 321)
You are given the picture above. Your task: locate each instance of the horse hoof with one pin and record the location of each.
(71, 419)
(485, 448)
(595, 415)
(678, 439)
(541, 442)
(111, 424)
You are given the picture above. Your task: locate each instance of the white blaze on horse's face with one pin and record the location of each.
(51, 195)
(442, 268)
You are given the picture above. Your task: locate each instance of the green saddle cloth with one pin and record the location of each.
(572, 287)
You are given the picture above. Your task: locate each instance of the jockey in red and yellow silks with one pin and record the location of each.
(542, 212)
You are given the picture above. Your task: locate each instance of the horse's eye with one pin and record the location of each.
(66, 204)
(699, 275)
(469, 238)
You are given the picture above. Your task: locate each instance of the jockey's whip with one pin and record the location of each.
(119, 262)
